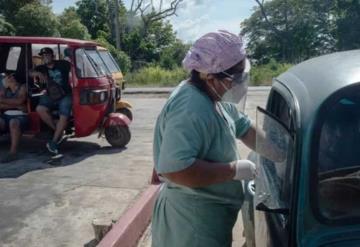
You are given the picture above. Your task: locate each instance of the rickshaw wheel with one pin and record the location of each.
(126, 112)
(117, 135)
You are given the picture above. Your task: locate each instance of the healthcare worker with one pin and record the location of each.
(195, 148)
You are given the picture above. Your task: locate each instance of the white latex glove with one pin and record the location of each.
(245, 169)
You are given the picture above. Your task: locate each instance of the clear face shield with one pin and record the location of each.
(239, 85)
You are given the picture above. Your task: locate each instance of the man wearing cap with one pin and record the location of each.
(56, 71)
(195, 147)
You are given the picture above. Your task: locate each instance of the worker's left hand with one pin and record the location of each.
(244, 169)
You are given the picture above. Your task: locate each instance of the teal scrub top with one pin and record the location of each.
(191, 127)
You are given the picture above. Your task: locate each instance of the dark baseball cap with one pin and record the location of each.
(46, 50)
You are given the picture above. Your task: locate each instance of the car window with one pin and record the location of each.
(275, 151)
(338, 159)
(65, 53)
(13, 58)
(86, 66)
(281, 109)
(35, 49)
(109, 61)
(276, 177)
(96, 60)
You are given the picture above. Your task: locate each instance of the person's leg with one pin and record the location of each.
(15, 134)
(60, 127)
(43, 109)
(65, 106)
(14, 126)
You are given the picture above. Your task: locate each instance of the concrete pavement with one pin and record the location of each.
(54, 205)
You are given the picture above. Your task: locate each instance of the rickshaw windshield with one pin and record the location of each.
(339, 159)
(89, 64)
(109, 61)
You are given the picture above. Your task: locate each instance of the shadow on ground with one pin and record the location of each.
(34, 156)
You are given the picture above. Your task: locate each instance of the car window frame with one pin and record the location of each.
(314, 156)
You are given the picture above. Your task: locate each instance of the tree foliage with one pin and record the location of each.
(347, 16)
(286, 30)
(93, 14)
(294, 30)
(144, 49)
(71, 26)
(6, 28)
(36, 19)
(8, 9)
(136, 37)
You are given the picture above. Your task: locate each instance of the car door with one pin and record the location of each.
(275, 147)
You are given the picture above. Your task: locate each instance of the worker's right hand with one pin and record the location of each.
(244, 169)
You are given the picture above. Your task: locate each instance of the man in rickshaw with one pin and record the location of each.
(13, 118)
(55, 73)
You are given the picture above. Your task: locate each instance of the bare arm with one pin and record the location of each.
(202, 173)
(42, 77)
(15, 102)
(249, 139)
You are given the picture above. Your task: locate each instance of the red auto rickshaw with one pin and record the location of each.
(96, 94)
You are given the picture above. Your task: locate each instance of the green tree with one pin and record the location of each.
(71, 26)
(289, 30)
(36, 20)
(9, 8)
(347, 14)
(147, 48)
(172, 56)
(94, 15)
(5, 27)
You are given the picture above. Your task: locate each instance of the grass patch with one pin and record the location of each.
(262, 75)
(155, 76)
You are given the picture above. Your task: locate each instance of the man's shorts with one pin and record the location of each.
(64, 105)
(23, 120)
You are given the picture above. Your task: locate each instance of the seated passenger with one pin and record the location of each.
(14, 118)
(57, 97)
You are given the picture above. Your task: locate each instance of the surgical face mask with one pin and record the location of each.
(236, 93)
(238, 88)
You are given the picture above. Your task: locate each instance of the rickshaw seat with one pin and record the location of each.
(34, 124)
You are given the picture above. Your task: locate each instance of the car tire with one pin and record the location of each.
(118, 135)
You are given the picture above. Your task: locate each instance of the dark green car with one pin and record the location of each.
(310, 197)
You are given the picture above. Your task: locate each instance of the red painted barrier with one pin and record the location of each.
(129, 228)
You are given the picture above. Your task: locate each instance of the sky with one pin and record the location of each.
(196, 17)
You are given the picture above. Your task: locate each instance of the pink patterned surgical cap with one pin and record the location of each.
(215, 52)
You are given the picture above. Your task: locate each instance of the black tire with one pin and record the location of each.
(126, 112)
(118, 135)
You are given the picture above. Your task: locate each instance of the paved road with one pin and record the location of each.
(47, 205)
